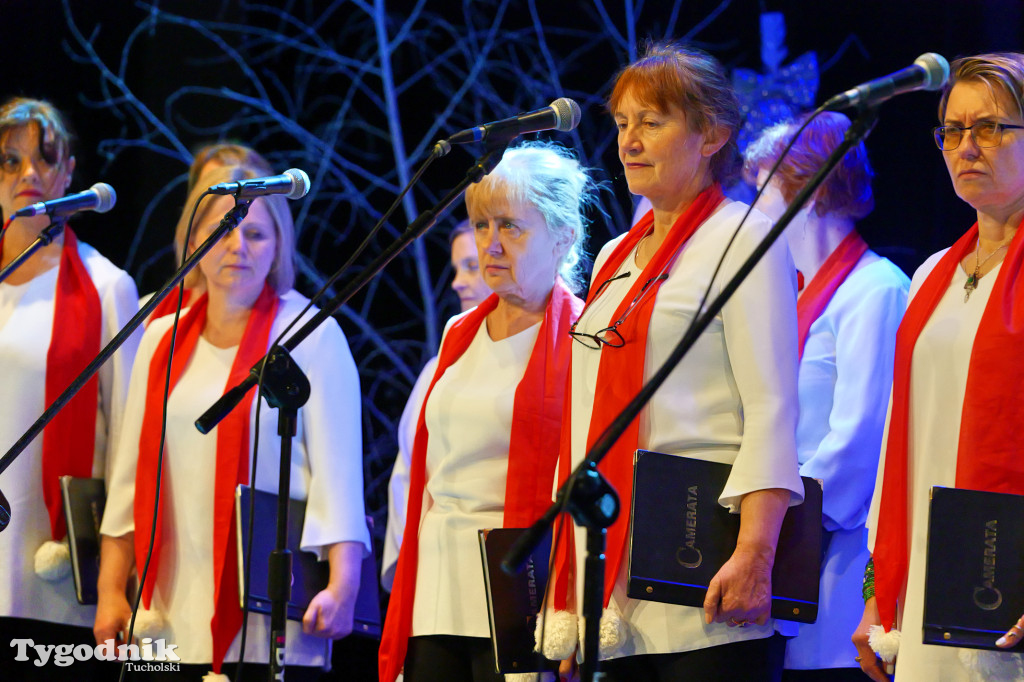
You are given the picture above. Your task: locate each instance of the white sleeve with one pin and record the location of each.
(332, 434)
(398, 485)
(846, 460)
(119, 302)
(760, 329)
(118, 515)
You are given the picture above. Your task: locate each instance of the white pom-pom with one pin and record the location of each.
(530, 677)
(53, 561)
(148, 623)
(885, 644)
(559, 635)
(216, 677)
(612, 632)
(1005, 666)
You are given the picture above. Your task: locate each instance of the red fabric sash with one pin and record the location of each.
(69, 441)
(620, 374)
(990, 452)
(823, 285)
(232, 466)
(169, 305)
(533, 450)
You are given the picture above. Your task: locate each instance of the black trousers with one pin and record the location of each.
(450, 658)
(756, 660)
(825, 675)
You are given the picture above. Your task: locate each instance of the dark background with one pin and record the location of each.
(916, 212)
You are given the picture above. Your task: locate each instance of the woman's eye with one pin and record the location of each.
(9, 162)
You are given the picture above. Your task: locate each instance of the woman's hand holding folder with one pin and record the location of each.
(1012, 636)
(741, 591)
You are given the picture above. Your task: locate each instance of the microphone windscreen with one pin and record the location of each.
(106, 197)
(937, 69)
(300, 183)
(568, 113)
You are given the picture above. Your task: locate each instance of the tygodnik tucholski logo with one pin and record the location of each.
(152, 656)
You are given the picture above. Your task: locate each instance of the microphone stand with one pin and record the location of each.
(284, 386)
(229, 222)
(592, 501)
(48, 234)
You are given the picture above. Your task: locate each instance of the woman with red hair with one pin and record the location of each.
(849, 307)
(731, 400)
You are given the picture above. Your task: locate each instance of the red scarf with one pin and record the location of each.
(533, 450)
(169, 305)
(620, 374)
(232, 466)
(69, 441)
(990, 452)
(833, 273)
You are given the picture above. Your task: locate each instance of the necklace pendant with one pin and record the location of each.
(970, 285)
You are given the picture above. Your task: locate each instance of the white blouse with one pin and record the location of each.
(469, 418)
(26, 326)
(938, 383)
(732, 399)
(326, 471)
(398, 484)
(844, 381)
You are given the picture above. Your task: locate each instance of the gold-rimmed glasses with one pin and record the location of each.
(986, 134)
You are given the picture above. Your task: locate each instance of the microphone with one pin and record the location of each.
(930, 71)
(101, 197)
(563, 114)
(293, 183)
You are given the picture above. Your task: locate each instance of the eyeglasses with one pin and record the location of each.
(985, 134)
(610, 336)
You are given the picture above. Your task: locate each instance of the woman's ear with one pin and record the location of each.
(70, 173)
(564, 240)
(714, 140)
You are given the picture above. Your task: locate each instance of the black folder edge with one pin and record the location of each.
(793, 610)
(487, 589)
(942, 635)
(365, 622)
(86, 595)
(538, 663)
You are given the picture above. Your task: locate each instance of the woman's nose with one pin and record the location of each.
(493, 243)
(629, 140)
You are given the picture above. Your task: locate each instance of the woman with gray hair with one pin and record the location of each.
(487, 438)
